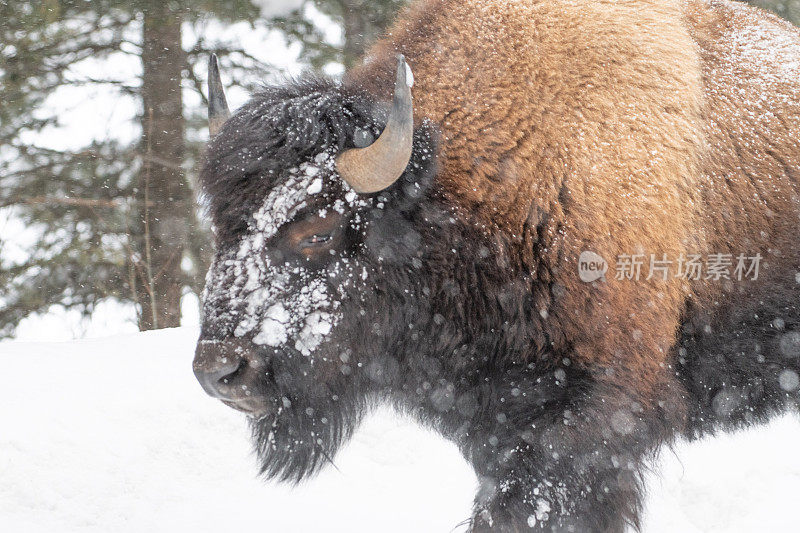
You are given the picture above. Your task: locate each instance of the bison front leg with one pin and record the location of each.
(569, 458)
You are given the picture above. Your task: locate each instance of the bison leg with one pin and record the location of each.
(574, 460)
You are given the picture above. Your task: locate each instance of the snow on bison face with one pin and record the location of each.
(283, 311)
(278, 292)
(287, 286)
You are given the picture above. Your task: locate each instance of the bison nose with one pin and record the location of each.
(216, 364)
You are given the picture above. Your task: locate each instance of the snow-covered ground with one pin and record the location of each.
(115, 435)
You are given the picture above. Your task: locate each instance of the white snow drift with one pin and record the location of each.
(115, 435)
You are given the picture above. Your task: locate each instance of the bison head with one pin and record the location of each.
(312, 189)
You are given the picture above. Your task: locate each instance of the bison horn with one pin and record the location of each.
(218, 111)
(377, 166)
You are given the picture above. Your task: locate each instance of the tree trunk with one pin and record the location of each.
(163, 193)
(364, 21)
(356, 32)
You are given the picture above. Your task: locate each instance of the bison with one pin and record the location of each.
(427, 254)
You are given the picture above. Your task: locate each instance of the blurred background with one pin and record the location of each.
(102, 129)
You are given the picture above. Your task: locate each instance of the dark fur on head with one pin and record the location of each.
(280, 128)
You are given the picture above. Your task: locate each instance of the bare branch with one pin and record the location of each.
(77, 202)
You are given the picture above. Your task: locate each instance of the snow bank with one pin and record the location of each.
(115, 435)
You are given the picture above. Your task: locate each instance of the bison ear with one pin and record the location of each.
(218, 111)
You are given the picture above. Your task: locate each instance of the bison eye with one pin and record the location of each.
(314, 234)
(316, 239)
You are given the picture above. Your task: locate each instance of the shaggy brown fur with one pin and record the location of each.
(647, 126)
(751, 123)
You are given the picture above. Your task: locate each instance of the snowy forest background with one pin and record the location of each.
(102, 127)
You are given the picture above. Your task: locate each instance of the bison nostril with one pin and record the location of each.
(214, 363)
(227, 369)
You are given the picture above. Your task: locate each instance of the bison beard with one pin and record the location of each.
(446, 304)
